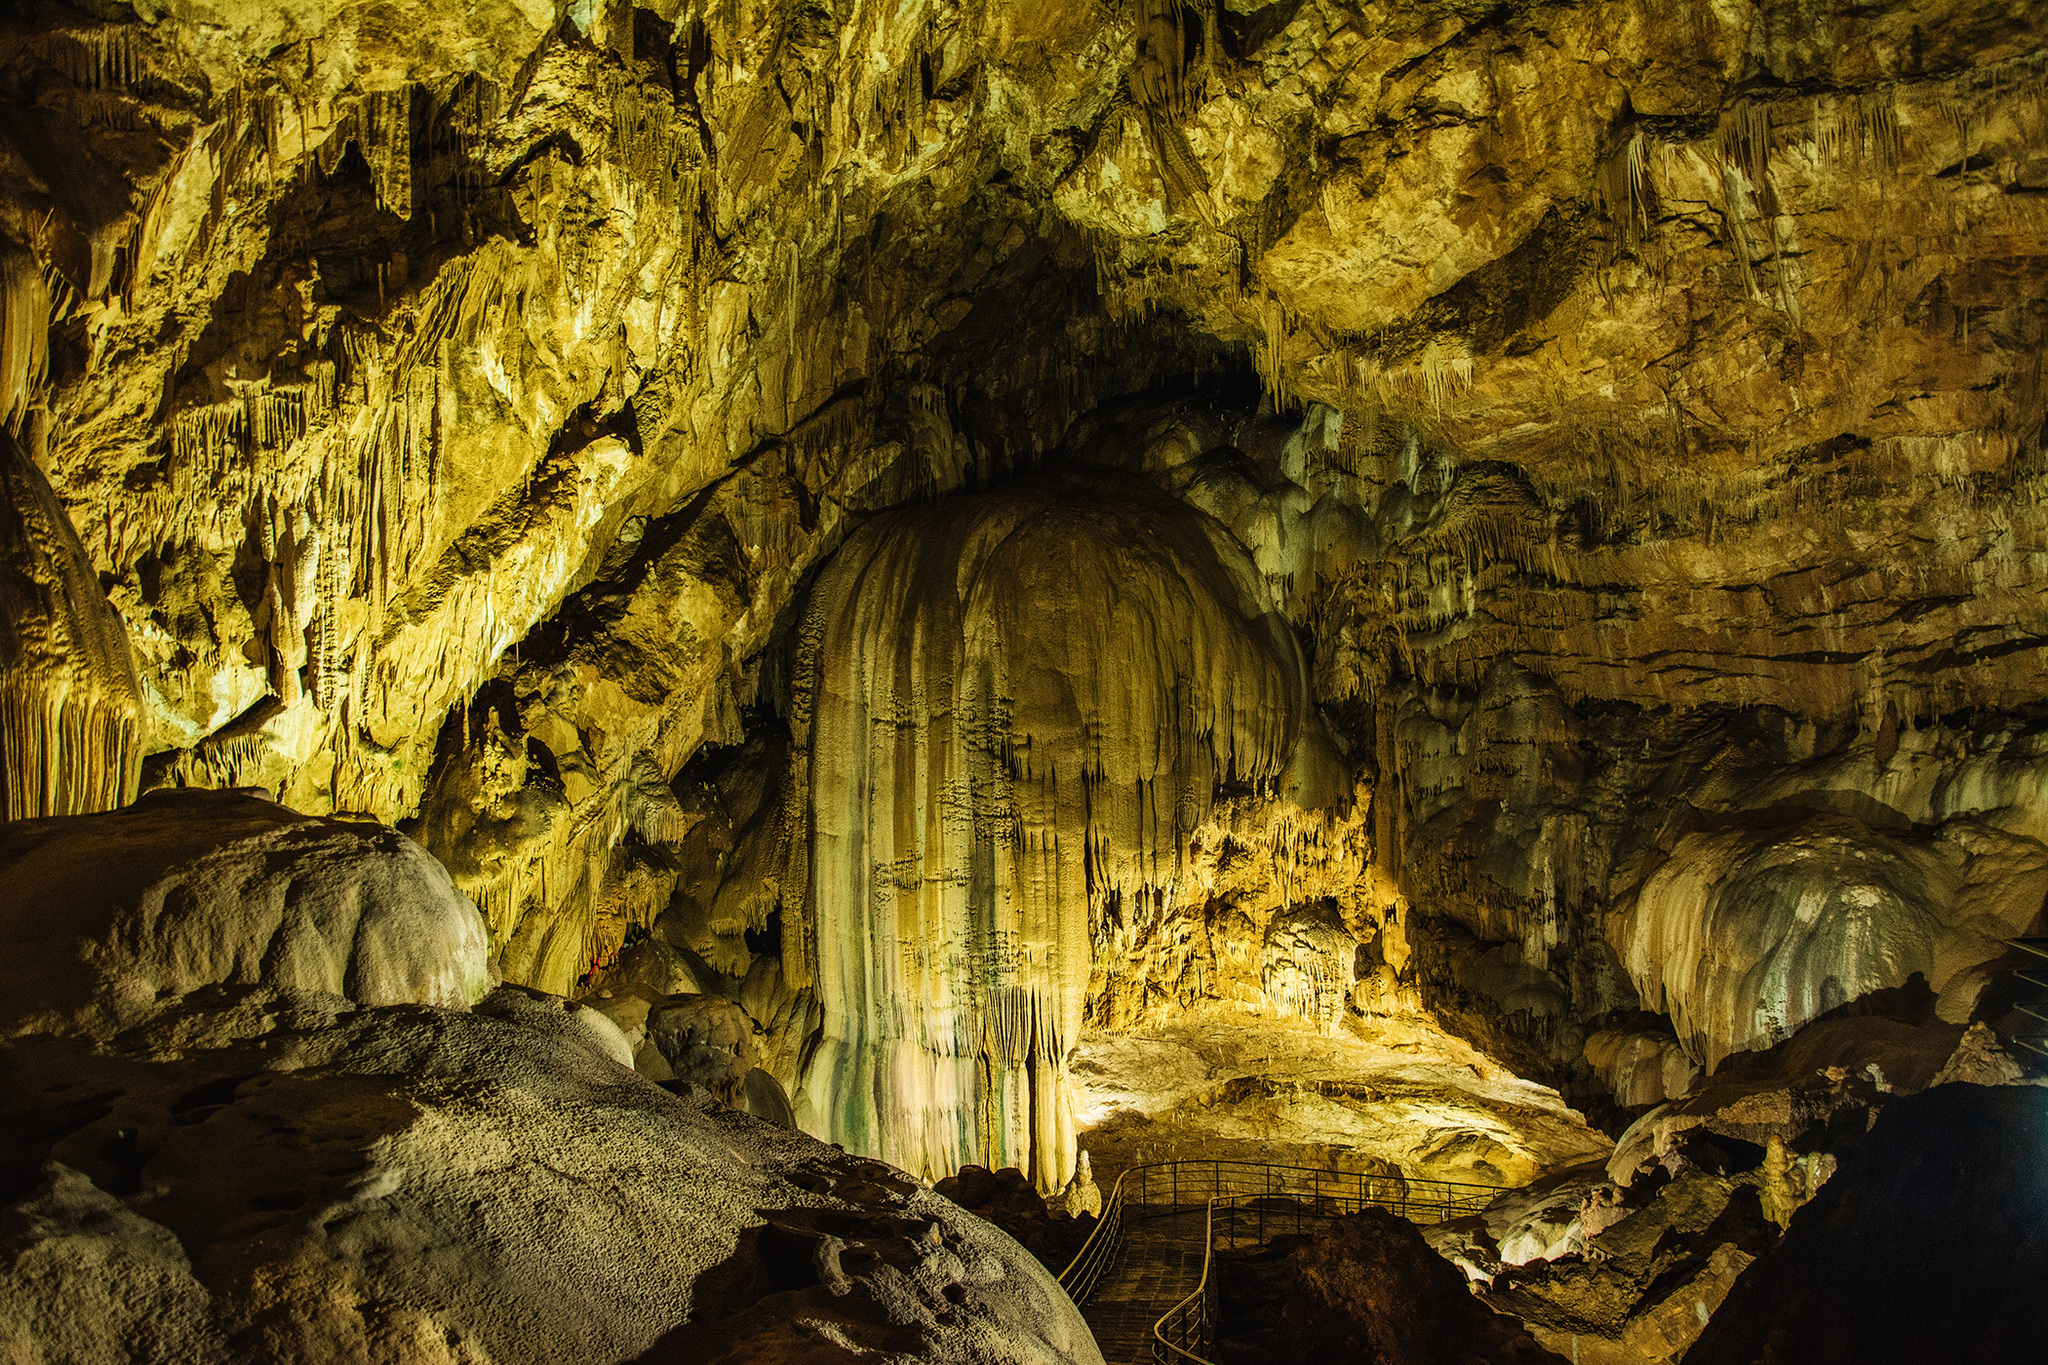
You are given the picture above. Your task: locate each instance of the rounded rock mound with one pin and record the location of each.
(105, 915)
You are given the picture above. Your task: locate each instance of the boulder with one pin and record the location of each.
(249, 1113)
(1371, 1289)
(1646, 1275)
(255, 1177)
(1008, 1199)
(696, 1039)
(706, 1040)
(1930, 1245)
(104, 915)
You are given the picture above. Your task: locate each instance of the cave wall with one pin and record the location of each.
(456, 407)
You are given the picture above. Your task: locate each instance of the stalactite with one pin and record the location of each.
(108, 58)
(1272, 354)
(1863, 125)
(1745, 138)
(384, 127)
(24, 336)
(651, 807)
(1166, 88)
(70, 725)
(1625, 191)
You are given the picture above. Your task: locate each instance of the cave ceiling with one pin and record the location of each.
(1615, 428)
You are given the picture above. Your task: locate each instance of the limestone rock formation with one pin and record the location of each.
(1371, 1289)
(269, 1178)
(105, 915)
(1048, 1229)
(1923, 1247)
(301, 1145)
(1640, 1066)
(1011, 715)
(1742, 937)
(1817, 1093)
(1979, 1060)
(70, 731)
(1082, 1197)
(1389, 1097)
(706, 1041)
(993, 537)
(1786, 1182)
(1637, 1290)
(455, 408)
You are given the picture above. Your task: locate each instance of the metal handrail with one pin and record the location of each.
(1098, 1253)
(1313, 1192)
(1164, 1348)
(2036, 1042)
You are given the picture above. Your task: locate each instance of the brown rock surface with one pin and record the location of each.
(1927, 1246)
(257, 1167)
(1371, 1289)
(1008, 1199)
(1638, 1290)
(1628, 416)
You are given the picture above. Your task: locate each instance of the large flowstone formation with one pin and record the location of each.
(1010, 713)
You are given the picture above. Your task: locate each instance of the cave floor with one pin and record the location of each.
(1379, 1094)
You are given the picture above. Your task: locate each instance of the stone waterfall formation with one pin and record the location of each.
(1011, 711)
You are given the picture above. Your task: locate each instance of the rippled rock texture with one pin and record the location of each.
(1011, 712)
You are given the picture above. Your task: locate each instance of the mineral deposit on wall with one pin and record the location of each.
(1572, 513)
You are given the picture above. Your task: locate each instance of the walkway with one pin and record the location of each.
(1144, 1277)
(1160, 1262)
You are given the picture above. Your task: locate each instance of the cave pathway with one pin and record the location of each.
(1151, 1243)
(1154, 1272)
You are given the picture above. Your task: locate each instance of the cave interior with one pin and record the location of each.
(712, 680)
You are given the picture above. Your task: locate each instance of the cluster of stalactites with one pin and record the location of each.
(70, 734)
(24, 335)
(1007, 709)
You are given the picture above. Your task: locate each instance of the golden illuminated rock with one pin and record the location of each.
(1011, 714)
(987, 537)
